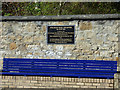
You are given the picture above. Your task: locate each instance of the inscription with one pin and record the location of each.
(60, 34)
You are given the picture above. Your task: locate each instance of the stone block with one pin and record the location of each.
(76, 86)
(59, 48)
(96, 84)
(68, 54)
(50, 53)
(113, 38)
(99, 58)
(20, 86)
(104, 53)
(60, 53)
(84, 86)
(81, 84)
(19, 37)
(12, 46)
(104, 47)
(88, 84)
(117, 58)
(87, 52)
(13, 37)
(30, 27)
(83, 57)
(90, 34)
(28, 39)
(85, 26)
(58, 23)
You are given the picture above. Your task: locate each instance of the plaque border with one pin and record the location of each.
(59, 43)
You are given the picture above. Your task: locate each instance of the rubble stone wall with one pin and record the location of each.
(94, 40)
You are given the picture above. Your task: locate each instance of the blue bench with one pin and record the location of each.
(59, 67)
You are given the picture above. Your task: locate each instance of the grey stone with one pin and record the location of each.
(104, 53)
(60, 53)
(67, 54)
(50, 53)
(59, 48)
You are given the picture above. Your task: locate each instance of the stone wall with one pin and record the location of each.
(94, 40)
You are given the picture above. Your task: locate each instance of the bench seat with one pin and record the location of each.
(59, 67)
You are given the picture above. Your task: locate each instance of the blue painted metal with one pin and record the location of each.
(60, 67)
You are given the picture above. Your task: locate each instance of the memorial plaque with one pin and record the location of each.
(60, 34)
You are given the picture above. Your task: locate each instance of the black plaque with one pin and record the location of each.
(60, 34)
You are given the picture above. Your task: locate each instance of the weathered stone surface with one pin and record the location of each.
(12, 37)
(60, 53)
(28, 39)
(99, 36)
(85, 26)
(30, 27)
(117, 58)
(44, 29)
(12, 46)
(113, 38)
(90, 34)
(18, 53)
(104, 53)
(58, 23)
(50, 53)
(99, 58)
(67, 54)
(19, 37)
(87, 52)
(59, 48)
(83, 57)
(104, 47)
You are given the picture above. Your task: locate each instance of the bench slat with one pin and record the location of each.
(61, 60)
(75, 64)
(60, 67)
(63, 67)
(72, 75)
(63, 71)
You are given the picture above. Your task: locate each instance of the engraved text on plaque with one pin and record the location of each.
(60, 34)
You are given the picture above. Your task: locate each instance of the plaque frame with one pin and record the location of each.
(60, 43)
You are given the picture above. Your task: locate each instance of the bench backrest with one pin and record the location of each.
(58, 67)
